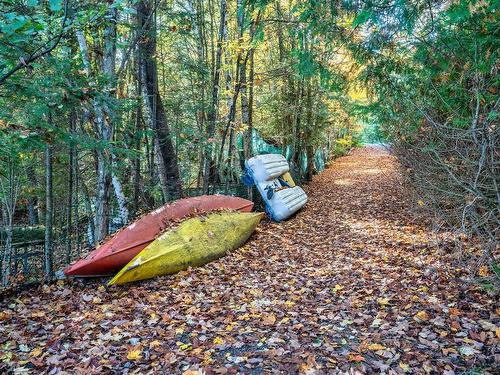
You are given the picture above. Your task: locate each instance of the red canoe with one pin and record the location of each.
(125, 244)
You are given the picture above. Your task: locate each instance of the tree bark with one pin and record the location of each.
(103, 133)
(167, 159)
(104, 127)
(49, 212)
(212, 116)
(69, 203)
(9, 194)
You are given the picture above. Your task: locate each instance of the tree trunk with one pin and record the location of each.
(167, 159)
(103, 133)
(76, 179)
(90, 214)
(212, 116)
(35, 210)
(120, 196)
(7, 248)
(137, 160)
(249, 132)
(9, 193)
(48, 212)
(71, 167)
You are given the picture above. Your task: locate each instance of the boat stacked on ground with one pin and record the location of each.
(124, 245)
(194, 242)
(271, 174)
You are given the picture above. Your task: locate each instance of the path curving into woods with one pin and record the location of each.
(353, 282)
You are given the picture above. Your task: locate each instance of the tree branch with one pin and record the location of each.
(35, 56)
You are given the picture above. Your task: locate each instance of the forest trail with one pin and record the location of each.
(354, 281)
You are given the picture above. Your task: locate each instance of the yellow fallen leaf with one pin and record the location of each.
(420, 202)
(337, 288)
(376, 347)
(134, 354)
(36, 352)
(404, 366)
(484, 271)
(422, 315)
(154, 344)
(96, 300)
(38, 314)
(190, 372)
(303, 368)
(183, 346)
(497, 332)
(383, 301)
(218, 340)
(196, 351)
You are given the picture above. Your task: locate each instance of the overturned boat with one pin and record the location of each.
(271, 174)
(194, 242)
(125, 244)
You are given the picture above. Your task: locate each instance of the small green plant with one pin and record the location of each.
(342, 146)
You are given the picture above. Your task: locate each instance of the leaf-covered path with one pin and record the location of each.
(351, 283)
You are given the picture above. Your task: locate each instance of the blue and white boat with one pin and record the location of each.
(271, 174)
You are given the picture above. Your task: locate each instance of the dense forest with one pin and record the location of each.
(108, 109)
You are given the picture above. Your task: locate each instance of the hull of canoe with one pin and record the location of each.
(194, 242)
(124, 245)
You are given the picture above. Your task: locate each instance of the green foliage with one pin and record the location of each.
(372, 134)
(342, 146)
(25, 234)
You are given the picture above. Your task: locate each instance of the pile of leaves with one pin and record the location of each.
(355, 281)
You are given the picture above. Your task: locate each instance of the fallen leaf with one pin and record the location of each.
(337, 288)
(355, 357)
(269, 319)
(135, 354)
(154, 344)
(404, 366)
(36, 352)
(483, 271)
(421, 315)
(218, 340)
(454, 311)
(376, 347)
(383, 301)
(467, 350)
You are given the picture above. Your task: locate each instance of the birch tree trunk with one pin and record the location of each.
(34, 206)
(104, 128)
(9, 191)
(103, 133)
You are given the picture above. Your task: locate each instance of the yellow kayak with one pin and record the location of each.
(194, 242)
